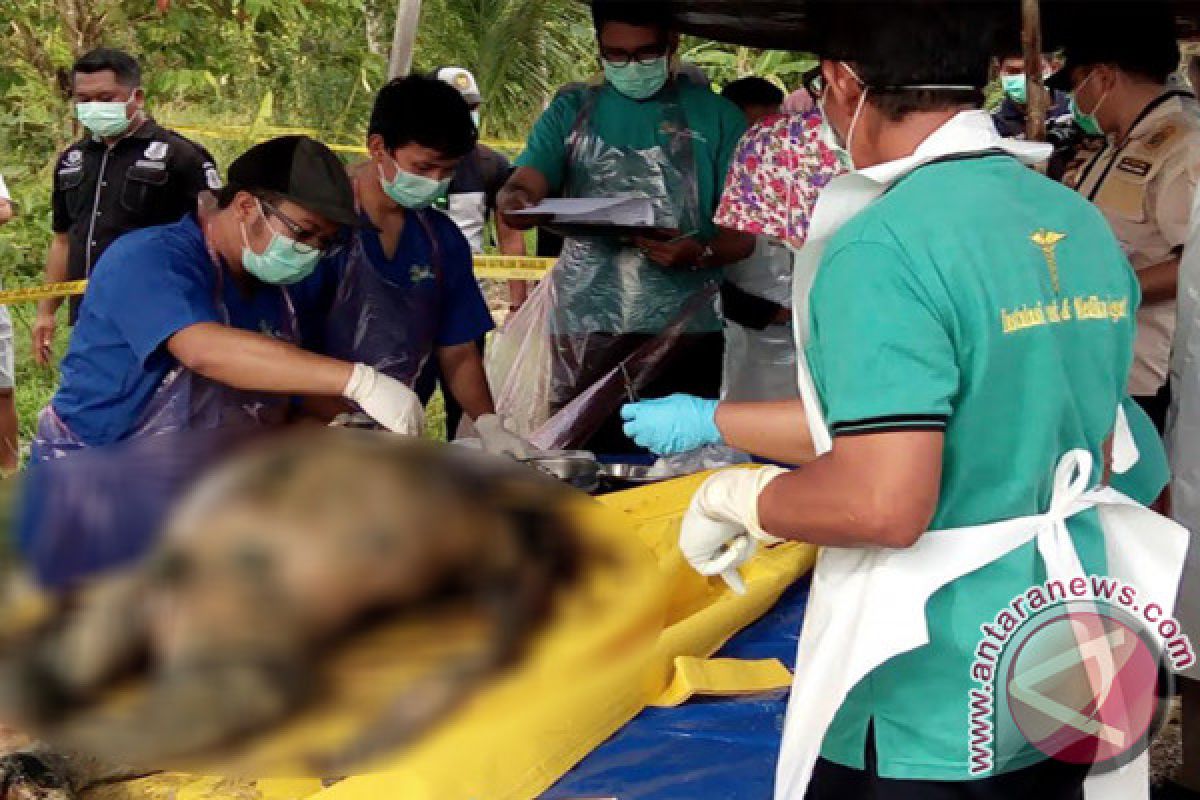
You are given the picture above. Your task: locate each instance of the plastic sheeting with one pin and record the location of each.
(710, 748)
(575, 423)
(604, 297)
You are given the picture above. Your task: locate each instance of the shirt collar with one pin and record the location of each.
(965, 133)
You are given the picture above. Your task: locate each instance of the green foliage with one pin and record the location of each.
(726, 63)
(520, 51)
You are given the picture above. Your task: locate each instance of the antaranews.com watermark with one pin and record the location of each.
(1078, 672)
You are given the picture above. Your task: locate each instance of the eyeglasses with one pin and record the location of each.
(643, 55)
(814, 83)
(302, 238)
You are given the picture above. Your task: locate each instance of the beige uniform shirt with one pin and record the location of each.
(1145, 187)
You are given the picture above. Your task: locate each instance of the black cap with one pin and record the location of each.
(299, 169)
(1138, 37)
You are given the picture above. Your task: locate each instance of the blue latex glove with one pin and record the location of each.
(672, 425)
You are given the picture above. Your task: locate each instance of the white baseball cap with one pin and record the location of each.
(462, 80)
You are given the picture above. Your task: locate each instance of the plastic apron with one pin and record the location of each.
(1183, 425)
(867, 605)
(87, 509)
(761, 364)
(602, 287)
(387, 326)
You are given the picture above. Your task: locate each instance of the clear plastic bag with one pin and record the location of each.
(518, 363)
(582, 417)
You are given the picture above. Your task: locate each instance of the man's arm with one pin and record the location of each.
(729, 246)
(870, 490)
(527, 187)
(254, 362)
(775, 430)
(464, 376)
(1160, 282)
(511, 242)
(6, 210)
(45, 324)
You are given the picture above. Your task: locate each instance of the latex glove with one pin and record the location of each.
(496, 437)
(720, 530)
(386, 400)
(671, 425)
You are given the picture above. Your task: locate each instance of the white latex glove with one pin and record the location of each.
(496, 437)
(720, 530)
(386, 400)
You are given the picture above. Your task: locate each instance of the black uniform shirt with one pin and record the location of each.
(149, 177)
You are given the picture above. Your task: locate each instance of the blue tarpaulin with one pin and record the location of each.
(716, 747)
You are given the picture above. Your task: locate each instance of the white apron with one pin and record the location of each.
(1183, 424)
(867, 605)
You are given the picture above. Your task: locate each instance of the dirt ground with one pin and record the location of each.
(1167, 751)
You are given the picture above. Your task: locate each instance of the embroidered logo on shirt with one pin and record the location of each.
(74, 158)
(1134, 166)
(420, 273)
(1046, 241)
(157, 150)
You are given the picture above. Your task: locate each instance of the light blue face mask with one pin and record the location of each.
(1015, 87)
(105, 120)
(638, 81)
(410, 190)
(475, 118)
(284, 262)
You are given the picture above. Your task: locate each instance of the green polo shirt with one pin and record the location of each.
(605, 286)
(715, 127)
(982, 300)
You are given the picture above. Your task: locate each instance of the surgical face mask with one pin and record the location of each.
(1087, 122)
(1014, 87)
(410, 190)
(104, 119)
(284, 262)
(638, 81)
(830, 136)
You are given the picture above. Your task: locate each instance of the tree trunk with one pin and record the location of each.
(1038, 100)
(408, 17)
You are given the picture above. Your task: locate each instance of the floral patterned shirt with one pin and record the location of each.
(780, 166)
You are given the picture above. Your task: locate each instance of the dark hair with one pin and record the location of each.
(642, 13)
(1138, 37)
(752, 91)
(123, 65)
(426, 111)
(892, 44)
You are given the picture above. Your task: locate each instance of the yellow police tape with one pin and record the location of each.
(500, 268)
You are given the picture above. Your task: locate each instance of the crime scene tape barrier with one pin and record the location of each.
(237, 133)
(502, 268)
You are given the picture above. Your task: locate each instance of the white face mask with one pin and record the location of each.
(830, 136)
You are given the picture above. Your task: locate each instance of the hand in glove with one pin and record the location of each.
(720, 531)
(386, 400)
(496, 437)
(672, 425)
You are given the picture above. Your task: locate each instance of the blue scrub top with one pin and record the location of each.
(149, 285)
(462, 312)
